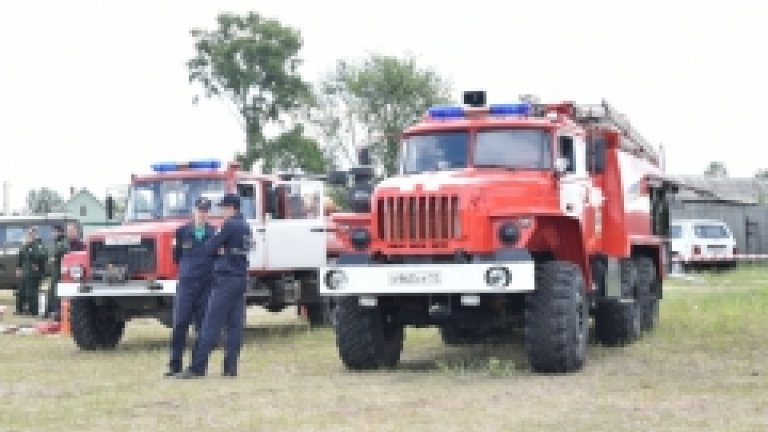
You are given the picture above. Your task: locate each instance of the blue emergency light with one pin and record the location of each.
(446, 112)
(179, 166)
(510, 109)
(205, 164)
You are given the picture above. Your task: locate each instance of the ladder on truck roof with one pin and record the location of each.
(606, 115)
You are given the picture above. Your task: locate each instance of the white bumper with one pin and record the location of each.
(427, 279)
(125, 289)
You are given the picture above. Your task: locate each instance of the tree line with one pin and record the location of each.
(252, 62)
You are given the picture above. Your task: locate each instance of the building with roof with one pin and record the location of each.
(89, 210)
(742, 203)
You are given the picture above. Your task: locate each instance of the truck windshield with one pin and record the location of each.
(435, 152)
(710, 231)
(514, 148)
(675, 231)
(15, 235)
(171, 198)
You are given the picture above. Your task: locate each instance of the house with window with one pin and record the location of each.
(89, 210)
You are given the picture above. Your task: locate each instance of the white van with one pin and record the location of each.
(702, 242)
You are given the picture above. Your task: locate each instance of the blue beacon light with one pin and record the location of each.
(176, 166)
(165, 166)
(510, 109)
(205, 164)
(446, 112)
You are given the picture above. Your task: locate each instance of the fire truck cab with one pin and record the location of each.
(128, 271)
(506, 217)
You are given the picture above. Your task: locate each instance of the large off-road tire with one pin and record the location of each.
(647, 292)
(617, 321)
(94, 326)
(557, 319)
(365, 337)
(457, 336)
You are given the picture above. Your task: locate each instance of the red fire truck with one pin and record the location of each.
(507, 217)
(128, 272)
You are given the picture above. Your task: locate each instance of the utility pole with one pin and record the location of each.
(6, 198)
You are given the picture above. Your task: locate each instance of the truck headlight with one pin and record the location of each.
(336, 280)
(509, 234)
(498, 277)
(76, 272)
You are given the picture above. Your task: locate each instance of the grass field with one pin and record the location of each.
(705, 368)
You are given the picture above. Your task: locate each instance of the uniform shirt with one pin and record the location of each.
(60, 248)
(190, 254)
(76, 245)
(230, 247)
(32, 258)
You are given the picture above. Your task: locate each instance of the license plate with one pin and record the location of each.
(420, 278)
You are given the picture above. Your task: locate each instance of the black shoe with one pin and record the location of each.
(229, 374)
(188, 374)
(170, 374)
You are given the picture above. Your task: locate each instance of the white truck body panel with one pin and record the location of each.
(427, 279)
(124, 289)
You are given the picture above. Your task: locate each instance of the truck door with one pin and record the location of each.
(296, 236)
(251, 207)
(574, 187)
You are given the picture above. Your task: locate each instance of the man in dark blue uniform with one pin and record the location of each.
(226, 306)
(195, 280)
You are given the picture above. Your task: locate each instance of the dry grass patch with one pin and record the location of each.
(704, 368)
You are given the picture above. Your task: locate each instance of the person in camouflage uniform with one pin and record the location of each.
(31, 269)
(60, 248)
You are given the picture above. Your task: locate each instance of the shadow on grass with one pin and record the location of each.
(497, 357)
(506, 354)
(255, 334)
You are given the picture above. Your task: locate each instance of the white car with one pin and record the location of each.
(702, 242)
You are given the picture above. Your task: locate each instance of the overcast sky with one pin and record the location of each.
(91, 91)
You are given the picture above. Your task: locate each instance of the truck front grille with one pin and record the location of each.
(418, 219)
(136, 259)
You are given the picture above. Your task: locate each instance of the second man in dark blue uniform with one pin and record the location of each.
(226, 306)
(195, 280)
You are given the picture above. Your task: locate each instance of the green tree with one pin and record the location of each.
(43, 200)
(291, 151)
(252, 62)
(372, 102)
(716, 169)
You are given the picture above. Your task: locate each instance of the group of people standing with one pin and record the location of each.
(213, 269)
(31, 266)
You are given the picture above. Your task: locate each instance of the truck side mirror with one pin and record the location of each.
(271, 207)
(110, 207)
(598, 156)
